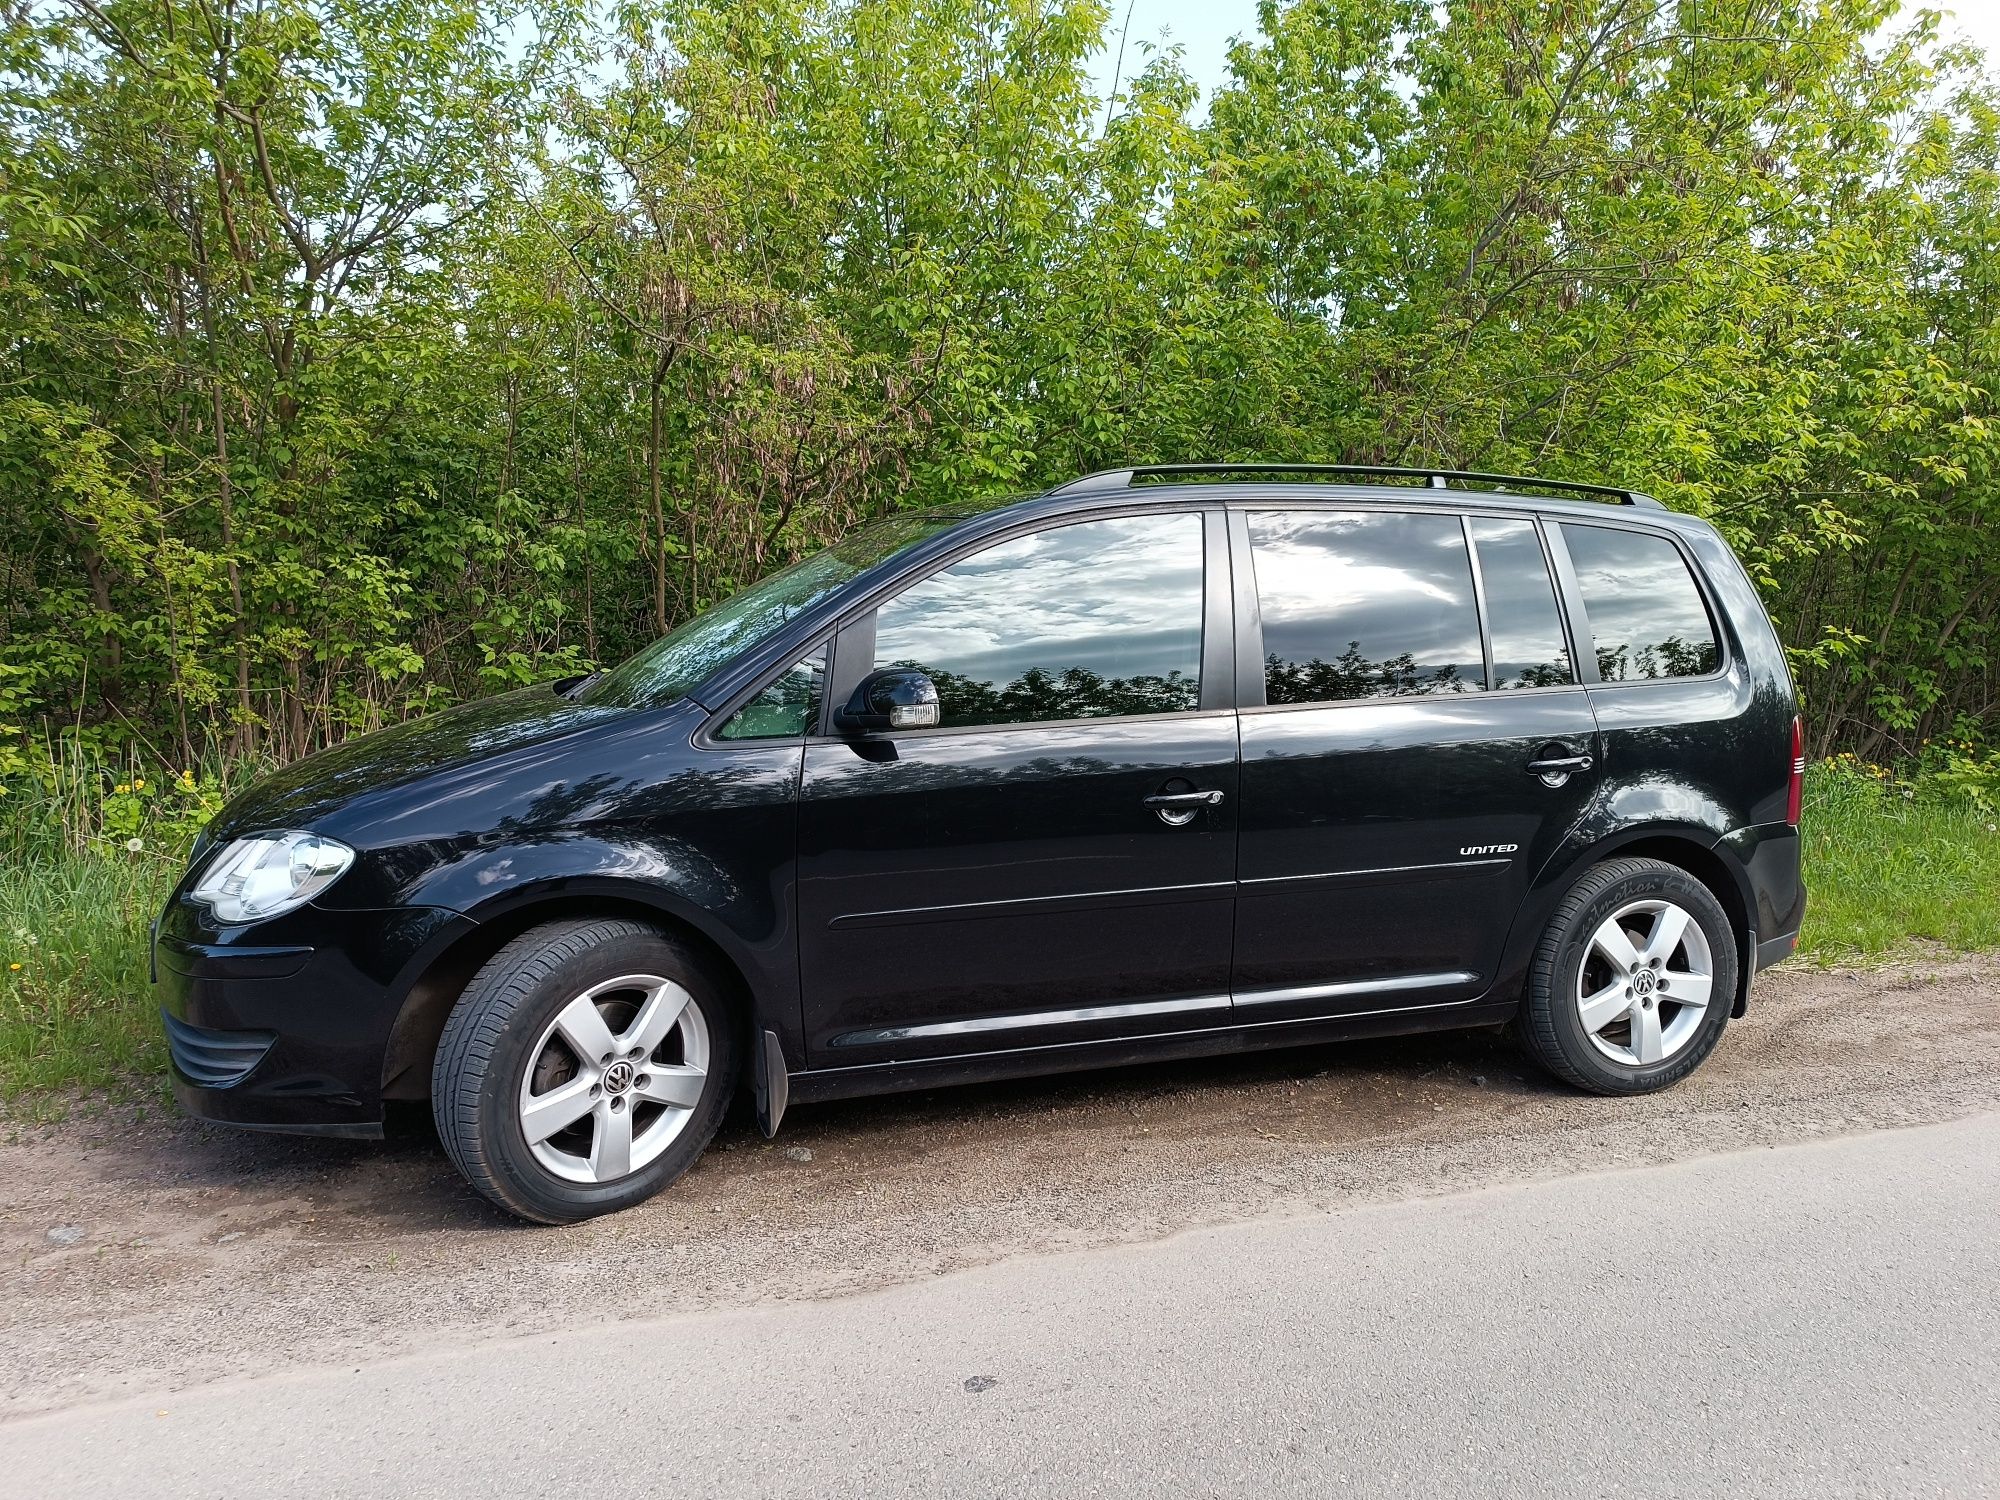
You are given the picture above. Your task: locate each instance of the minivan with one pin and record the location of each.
(1159, 763)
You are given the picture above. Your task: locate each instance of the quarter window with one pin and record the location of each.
(1076, 622)
(1521, 619)
(1364, 604)
(785, 709)
(1646, 615)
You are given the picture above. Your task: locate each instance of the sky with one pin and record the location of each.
(1204, 28)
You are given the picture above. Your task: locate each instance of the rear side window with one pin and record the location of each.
(1076, 622)
(1364, 604)
(1521, 618)
(1647, 619)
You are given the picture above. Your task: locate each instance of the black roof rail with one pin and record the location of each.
(1118, 479)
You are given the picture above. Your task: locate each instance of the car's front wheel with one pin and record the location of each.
(1633, 980)
(586, 1066)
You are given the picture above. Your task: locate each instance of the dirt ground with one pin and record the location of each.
(138, 1251)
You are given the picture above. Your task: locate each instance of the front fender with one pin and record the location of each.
(749, 922)
(487, 879)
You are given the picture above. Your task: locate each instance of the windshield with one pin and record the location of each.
(676, 662)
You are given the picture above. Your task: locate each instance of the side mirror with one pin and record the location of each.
(893, 698)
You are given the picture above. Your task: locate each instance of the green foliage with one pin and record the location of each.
(81, 802)
(74, 1006)
(88, 852)
(366, 355)
(1897, 855)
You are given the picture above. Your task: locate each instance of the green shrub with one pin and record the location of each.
(89, 849)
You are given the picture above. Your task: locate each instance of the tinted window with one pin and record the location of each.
(680, 660)
(1521, 618)
(1646, 615)
(1100, 617)
(785, 709)
(1364, 605)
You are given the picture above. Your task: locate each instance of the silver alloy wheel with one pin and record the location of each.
(614, 1078)
(1645, 982)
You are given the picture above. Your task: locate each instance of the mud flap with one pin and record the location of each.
(1746, 969)
(773, 1084)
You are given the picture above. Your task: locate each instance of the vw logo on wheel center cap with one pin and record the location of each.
(1644, 981)
(618, 1077)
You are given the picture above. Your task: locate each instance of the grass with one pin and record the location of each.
(1886, 871)
(89, 848)
(76, 1012)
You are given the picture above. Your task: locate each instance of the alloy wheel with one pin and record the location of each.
(614, 1078)
(1645, 982)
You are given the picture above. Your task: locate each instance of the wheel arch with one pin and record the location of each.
(1688, 848)
(1723, 882)
(427, 1002)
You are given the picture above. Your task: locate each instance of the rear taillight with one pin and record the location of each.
(1796, 791)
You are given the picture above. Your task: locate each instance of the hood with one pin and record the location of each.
(308, 792)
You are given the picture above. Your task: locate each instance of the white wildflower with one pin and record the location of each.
(135, 845)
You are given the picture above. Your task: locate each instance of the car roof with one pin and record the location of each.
(1360, 483)
(1178, 484)
(1370, 475)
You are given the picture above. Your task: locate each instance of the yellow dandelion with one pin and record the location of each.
(121, 789)
(13, 968)
(140, 785)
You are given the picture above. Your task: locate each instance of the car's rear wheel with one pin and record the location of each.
(586, 1066)
(1633, 980)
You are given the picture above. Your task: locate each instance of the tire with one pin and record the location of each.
(1591, 1019)
(511, 1061)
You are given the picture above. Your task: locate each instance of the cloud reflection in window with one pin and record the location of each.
(1079, 621)
(1360, 604)
(1646, 615)
(1521, 618)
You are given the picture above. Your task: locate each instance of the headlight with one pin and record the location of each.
(268, 873)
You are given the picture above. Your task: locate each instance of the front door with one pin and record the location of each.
(1416, 760)
(1012, 878)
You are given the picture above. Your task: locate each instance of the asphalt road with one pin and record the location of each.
(1816, 1320)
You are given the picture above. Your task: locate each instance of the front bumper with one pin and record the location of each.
(283, 1025)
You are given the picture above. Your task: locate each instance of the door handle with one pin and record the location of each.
(1556, 769)
(1184, 799)
(1177, 809)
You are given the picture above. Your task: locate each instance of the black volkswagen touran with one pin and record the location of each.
(1162, 762)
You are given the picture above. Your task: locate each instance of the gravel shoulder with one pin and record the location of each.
(138, 1253)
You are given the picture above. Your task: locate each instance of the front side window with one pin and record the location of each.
(785, 709)
(1077, 622)
(1646, 615)
(707, 643)
(1364, 604)
(1521, 618)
